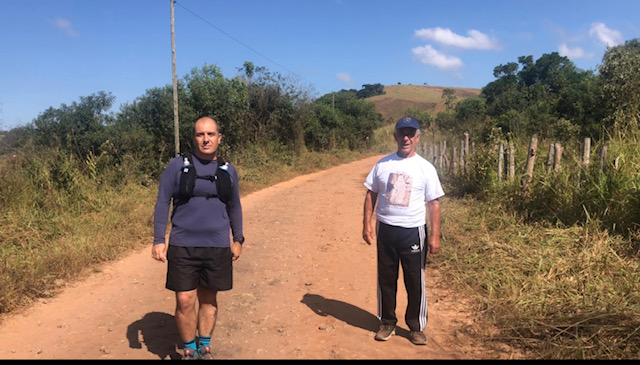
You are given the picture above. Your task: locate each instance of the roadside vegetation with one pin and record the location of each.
(553, 267)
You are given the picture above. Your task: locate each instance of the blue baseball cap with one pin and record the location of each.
(407, 122)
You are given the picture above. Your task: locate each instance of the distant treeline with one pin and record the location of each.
(367, 91)
(256, 107)
(549, 97)
(574, 113)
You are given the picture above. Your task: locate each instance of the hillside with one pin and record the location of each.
(398, 98)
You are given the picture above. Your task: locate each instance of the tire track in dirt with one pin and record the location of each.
(304, 288)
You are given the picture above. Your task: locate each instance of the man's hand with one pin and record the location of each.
(159, 252)
(236, 250)
(367, 234)
(434, 245)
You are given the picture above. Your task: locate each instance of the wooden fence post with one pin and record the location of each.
(512, 162)
(586, 151)
(531, 158)
(462, 167)
(454, 160)
(435, 155)
(466, 152)
(603, 158)
(550, 158)
(557, 156)
(500, 161)
(443, 153)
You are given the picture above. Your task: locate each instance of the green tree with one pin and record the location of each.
(505, 70)
(581, 103)
(620, 73)
(502, 95)
(78, 128)
(320, 131)
(208, 92)
(152, 113)
(552, 71)
(341, 120)
(248, 70)
(449, 97)
(545, 96)
(274, 102)
(446, 121)
(470, 116)
(369, 90)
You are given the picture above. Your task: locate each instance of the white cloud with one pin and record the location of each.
(345, 77)
(476, 39)
(608, 37)
(65, 26)
(573, 53)
(429, 56)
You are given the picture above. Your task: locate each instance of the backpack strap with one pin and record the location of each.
(224, 185)
(222, 179)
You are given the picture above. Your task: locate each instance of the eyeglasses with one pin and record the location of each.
(406, 132)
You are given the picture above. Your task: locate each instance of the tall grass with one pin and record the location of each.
(556, 293)
(574, 194)
(555, 265)
(58, 221)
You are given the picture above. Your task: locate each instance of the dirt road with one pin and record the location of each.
(304, 288)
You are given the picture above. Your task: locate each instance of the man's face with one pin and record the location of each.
(407, 139)
(206, 137)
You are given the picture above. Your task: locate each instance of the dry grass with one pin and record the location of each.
(557, 293)
(41, 253)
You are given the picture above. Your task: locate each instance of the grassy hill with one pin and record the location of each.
(398, 98)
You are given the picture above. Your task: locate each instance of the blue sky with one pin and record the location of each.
(53, 52)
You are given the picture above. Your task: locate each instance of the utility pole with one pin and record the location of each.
(176, 123)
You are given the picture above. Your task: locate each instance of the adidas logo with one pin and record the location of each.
(415, 248)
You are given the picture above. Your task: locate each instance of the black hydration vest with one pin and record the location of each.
(188, 177)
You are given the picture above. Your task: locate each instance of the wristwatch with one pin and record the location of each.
(240, 241)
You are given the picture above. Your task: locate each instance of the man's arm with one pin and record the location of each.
(236, 217)
(161, 213)
(367, 227)
(434, 220)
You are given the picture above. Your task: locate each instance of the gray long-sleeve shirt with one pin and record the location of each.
(200, 222)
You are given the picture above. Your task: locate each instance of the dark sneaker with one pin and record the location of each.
(417, 338)
(204, 353)
(190, 354)
(385, 332)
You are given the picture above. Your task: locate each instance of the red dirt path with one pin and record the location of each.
(304, 288)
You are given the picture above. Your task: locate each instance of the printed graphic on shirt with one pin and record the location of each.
(399, 189)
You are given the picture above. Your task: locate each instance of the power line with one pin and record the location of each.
(240, 42)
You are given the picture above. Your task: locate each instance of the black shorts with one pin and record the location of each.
(193, 267)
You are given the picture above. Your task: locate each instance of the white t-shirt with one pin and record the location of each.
(403, 185)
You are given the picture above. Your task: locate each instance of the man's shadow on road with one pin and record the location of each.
(159, 333)
(346, 312)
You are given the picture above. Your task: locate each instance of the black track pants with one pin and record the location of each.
(406, 246)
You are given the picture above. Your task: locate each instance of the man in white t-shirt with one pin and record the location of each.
(401, 183)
